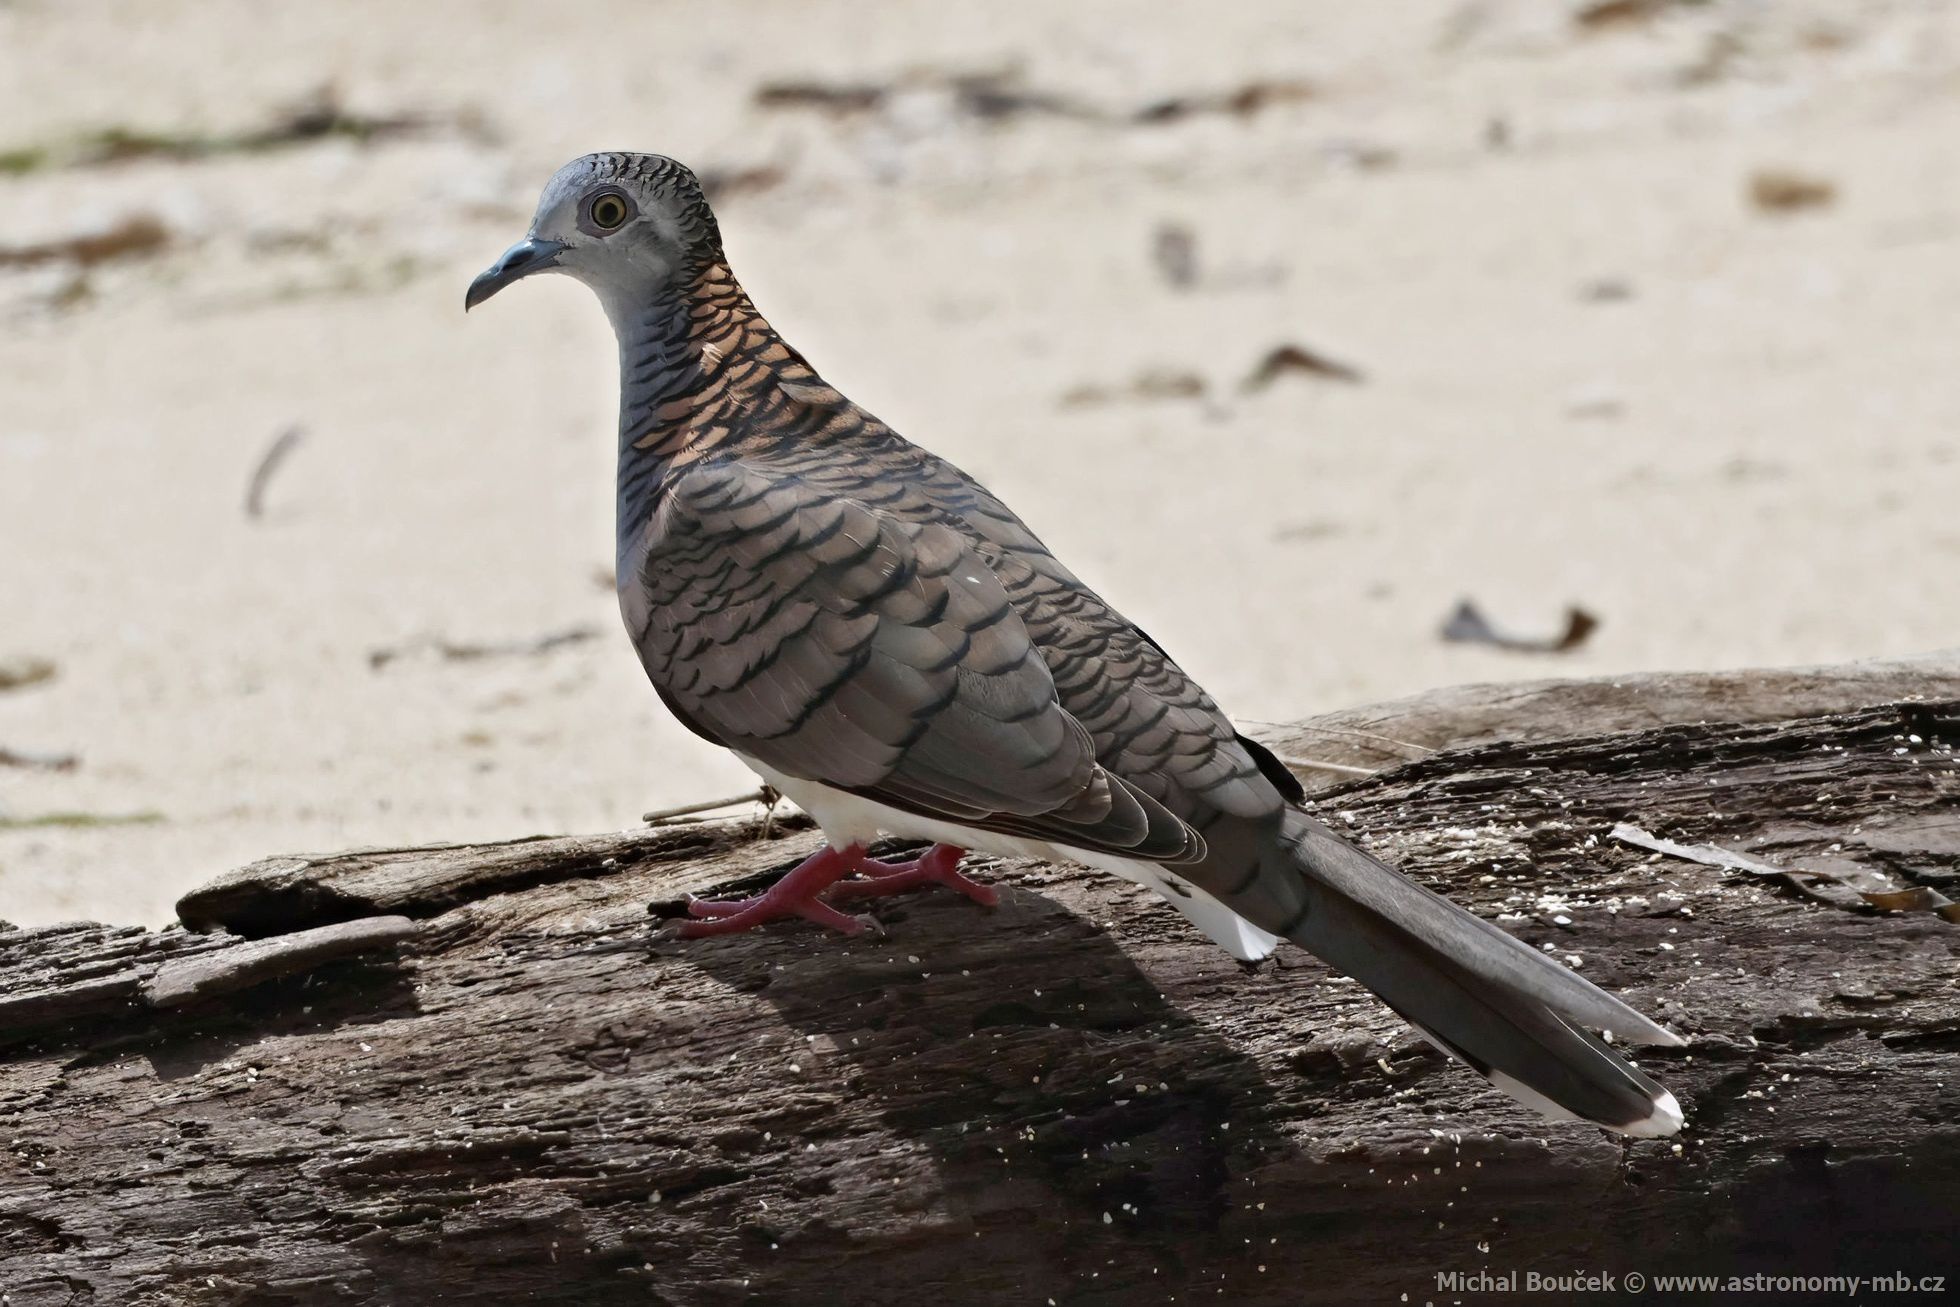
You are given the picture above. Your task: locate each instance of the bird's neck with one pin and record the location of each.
(679, 356)
(687, 380)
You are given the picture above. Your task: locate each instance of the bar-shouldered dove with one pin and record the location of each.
(885, 642)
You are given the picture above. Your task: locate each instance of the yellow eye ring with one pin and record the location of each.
(607, 212)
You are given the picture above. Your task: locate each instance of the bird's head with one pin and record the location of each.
(630, 226)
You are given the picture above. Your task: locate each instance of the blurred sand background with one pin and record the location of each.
(1655, 309)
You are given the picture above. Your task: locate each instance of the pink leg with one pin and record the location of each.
(796, 894)
(938, 865)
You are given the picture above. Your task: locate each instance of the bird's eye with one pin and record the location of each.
(607, 212)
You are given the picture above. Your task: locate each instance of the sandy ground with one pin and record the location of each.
(1594, 369)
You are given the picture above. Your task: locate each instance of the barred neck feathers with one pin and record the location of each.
(674, 356)
(703, 373)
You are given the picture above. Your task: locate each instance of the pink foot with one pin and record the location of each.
(795, 895)
(938, 865)
(800, 892)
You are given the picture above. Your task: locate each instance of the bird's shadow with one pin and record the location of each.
(1022, 1047)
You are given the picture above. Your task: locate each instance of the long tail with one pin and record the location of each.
(1485, 997)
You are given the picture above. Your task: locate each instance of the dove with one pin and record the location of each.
(882, 640)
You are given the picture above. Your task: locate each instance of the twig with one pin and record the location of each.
(763, 794)
(1338, 768)
(1914, 898)
(269, 462)
(1336, 730)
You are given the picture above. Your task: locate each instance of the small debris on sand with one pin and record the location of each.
(1468, 625)
(1784, 190)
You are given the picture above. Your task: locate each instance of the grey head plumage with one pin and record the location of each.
(634, 227)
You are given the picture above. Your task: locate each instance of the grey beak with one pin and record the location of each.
(520, 260)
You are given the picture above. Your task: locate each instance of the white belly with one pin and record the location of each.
(849, 819)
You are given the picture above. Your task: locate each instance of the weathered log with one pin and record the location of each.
(1385, 734)
(538, 1096)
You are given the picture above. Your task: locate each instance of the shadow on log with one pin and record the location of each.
(480, 1074)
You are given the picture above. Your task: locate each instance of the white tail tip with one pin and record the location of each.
(1659, 1124)
(1663, 1120)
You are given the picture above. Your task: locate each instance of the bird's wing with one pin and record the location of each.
(874, 654)
(1150, 723)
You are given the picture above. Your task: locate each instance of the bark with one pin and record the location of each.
(483, 1075)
